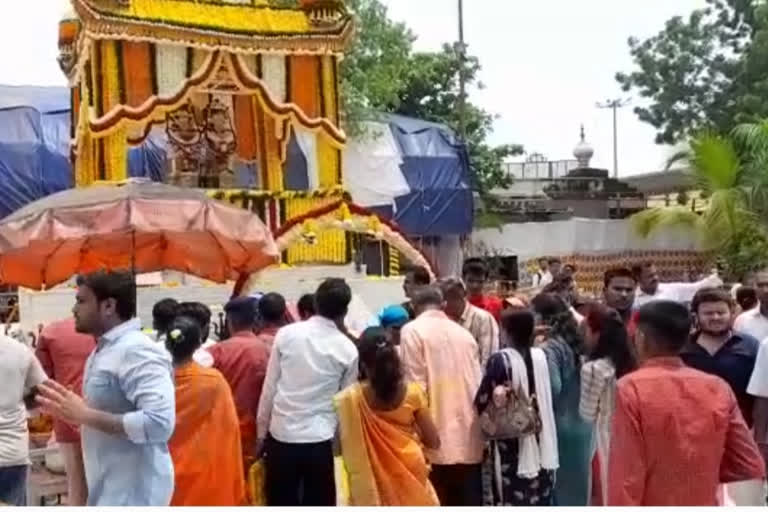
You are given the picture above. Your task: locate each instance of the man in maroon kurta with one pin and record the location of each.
(242, 359)
(62, 352)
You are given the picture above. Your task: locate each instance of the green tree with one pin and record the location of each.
(730, 170)
(432, 93)
(375, 65)
(707, 71)
(382, 74)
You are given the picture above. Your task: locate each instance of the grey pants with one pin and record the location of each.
(13, 486)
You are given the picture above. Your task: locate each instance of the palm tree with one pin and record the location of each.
(733, 171)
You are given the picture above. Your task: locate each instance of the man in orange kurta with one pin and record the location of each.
(205, 446)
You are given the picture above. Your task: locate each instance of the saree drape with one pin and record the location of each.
(382, 455)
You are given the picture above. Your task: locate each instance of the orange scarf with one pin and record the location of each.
(384, 461)
(205, 445)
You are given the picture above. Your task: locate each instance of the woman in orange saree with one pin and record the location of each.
(383, 423)
(205, 446)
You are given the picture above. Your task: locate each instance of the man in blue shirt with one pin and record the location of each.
(716, 349)
(127, 414)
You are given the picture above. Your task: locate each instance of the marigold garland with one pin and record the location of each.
(243, 194)
(329, 246)
(116, 156)
(328, 162)
(154, 106)
(253, 84)
(219, 17)
(110, 83)
(329, 86)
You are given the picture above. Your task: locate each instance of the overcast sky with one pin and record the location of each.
(546, 64)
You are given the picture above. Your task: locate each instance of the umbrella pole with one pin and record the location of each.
(133, 253)
(133, 272)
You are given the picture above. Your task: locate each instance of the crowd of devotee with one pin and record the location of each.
(655, 394)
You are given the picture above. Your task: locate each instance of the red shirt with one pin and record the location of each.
(493, 305)
(267, 336)
(62, 352)
(632, 325)
(677, 434)
(242, 360)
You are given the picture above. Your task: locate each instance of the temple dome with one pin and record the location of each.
(583, 151)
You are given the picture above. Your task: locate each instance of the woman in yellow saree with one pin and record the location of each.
(383, 423)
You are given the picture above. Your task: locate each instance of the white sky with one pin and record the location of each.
(545, 64)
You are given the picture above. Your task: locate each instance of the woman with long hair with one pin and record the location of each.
(609, 357)
(384, 422)
(205, 446)
(524, 468)
(564, 347)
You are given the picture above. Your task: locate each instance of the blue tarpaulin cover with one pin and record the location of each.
(436, 167)
(34, 161)
(34, 146)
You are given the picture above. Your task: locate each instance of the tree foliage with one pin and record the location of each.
(374, 68)
(706, 71)
(730, 170)
(432, 92)
(382, 73)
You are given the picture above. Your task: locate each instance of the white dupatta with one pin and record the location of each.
(534, 455)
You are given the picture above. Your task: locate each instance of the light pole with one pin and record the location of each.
(615, 105)
(462, 78)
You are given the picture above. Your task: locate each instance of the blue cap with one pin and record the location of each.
(242, 305)
(393, 316)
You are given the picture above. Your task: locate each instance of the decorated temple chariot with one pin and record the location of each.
(243, 92)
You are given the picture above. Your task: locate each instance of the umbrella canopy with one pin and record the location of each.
(138, 225)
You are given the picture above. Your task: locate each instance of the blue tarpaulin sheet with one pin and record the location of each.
(436, 167)
(34, 161)
(34, 144)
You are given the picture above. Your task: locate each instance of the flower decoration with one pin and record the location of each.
(176, 336)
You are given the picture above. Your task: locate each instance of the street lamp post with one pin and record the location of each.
(615, 105)
(462, 78)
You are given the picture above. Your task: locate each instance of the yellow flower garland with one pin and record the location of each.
(116, 149)
(110, 93)
(329, 87)
(330, 245)
(327, 161)
(315, 195)
(217, 16)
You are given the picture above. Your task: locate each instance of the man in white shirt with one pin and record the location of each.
(650, 289)
(543, 277)
(755, 321)
(20, 373)
(310, 362)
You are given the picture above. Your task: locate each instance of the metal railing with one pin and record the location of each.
(540, 170)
